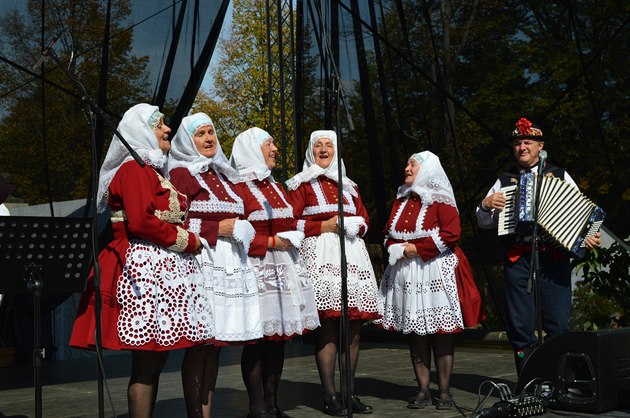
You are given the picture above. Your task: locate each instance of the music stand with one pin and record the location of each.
(43, 255)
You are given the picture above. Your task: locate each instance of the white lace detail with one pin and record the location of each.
(244, 233)
(418, 232)
(194, 225)
(422, 297)
(437, 240)
(396, 252)
(287, 301)
(268, 212)
(431, 182)
(301, 225)
(214, 205)
(162, 298)
(323, 207)
(320, 254)
(353, 224)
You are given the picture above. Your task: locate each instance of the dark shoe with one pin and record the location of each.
(421, 400)
(334, 407)
(444, 404)
(359, 407)
(520, 357)
(276, 412)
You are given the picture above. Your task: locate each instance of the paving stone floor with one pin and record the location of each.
(384, 380)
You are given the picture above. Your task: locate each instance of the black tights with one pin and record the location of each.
(443, 352)
(199, 377)
(261, 368)
(326, 347)
(146, 367)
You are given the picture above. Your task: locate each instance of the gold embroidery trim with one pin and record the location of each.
(174, 214)
(181, 242)
(118, 216)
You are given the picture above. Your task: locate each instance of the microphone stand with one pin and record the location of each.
(338, 95)
(534, 262)
(345, 320)
(94, 109)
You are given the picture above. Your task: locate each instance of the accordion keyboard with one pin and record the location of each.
(508, 216)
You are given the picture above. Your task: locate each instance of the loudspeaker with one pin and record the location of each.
(589, 370)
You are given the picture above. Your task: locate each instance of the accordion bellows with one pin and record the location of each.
(566, 216)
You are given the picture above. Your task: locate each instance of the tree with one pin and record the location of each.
(240, 97)
(45, 134)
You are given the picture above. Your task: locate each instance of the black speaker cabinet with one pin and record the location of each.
(589, 370)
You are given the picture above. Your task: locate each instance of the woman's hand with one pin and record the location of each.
(283, 244)
(226, 227)
(330, 225)
(410, 250)
(278, 243)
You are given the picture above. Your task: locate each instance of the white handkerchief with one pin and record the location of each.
(295, 237)
(396, 252)
(244, 233)
(352, 225)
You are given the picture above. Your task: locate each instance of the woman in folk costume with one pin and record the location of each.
(287, 301)
(151, 284)
(200, 170)
(421, 284)
(313, 193)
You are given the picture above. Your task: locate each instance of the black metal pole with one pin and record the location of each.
(343, 264)
(533, 282)
(35, 284)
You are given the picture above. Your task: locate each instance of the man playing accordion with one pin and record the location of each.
(555, 271)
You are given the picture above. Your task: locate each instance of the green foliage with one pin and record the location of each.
(45, 133)
(591, 310)
(606, 287)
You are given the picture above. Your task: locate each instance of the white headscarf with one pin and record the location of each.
(311, 170)
(431, 182)
(247, 157)
(137, 127)
(184, 153)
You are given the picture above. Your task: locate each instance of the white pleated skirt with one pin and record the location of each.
(421, 297)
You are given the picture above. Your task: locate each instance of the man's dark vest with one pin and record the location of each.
(511, 177)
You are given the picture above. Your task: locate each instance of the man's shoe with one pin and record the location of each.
(359, 407)
(334, 407)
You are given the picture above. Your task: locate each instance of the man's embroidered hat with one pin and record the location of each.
(526, 129)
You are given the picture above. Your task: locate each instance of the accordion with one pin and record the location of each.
(565, 215)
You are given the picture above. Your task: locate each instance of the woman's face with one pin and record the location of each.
(161, 133)
(269, 151)
(411, 171)
(323, 152)
(205, 139)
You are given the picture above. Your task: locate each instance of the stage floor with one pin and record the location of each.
(384, 380)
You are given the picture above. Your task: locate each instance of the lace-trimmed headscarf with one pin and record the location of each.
(431, 182)
(184, 153)
(247, 157)
(311, 170)
(137, 127)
